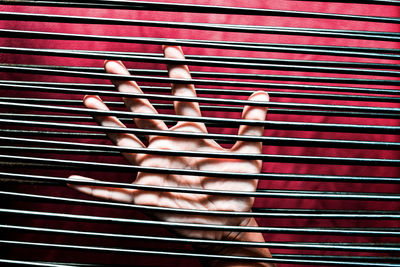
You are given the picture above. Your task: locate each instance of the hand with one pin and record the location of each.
(183, 200)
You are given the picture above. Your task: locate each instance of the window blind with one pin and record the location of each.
(328, 192)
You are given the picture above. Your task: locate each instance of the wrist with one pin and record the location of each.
(257, 252)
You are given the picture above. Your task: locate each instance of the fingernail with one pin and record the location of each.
(93, 96)
(260, 96)
(113, 66)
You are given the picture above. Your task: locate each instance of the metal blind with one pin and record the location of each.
(328, 192)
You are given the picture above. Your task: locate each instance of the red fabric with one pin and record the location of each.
(268, 167)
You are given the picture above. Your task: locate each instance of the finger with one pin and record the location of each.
(108, 193)
(119, 139)
(252, 113)
(181, 72)
(136, 105)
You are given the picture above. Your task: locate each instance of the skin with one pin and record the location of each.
(182, 200)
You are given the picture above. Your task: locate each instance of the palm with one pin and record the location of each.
(195, 201)
(183, 200)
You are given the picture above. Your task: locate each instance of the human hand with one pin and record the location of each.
(173, 199)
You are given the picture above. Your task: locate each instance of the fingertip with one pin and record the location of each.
(91, 98)
(164, 46)
(107, 62)
(81, 178)
(94, 102)
(78, 178)
(256, 112)
(171, 51)
(259, 96)
(115, 67)
(86, 97)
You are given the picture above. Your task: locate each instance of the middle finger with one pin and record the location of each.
(182, 72)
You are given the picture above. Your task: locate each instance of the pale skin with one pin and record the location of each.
(181, 200)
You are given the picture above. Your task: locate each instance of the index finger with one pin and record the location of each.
(179, 71)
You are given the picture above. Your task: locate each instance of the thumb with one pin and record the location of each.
(108, 193)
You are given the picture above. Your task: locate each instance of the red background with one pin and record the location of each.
(370, 10)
